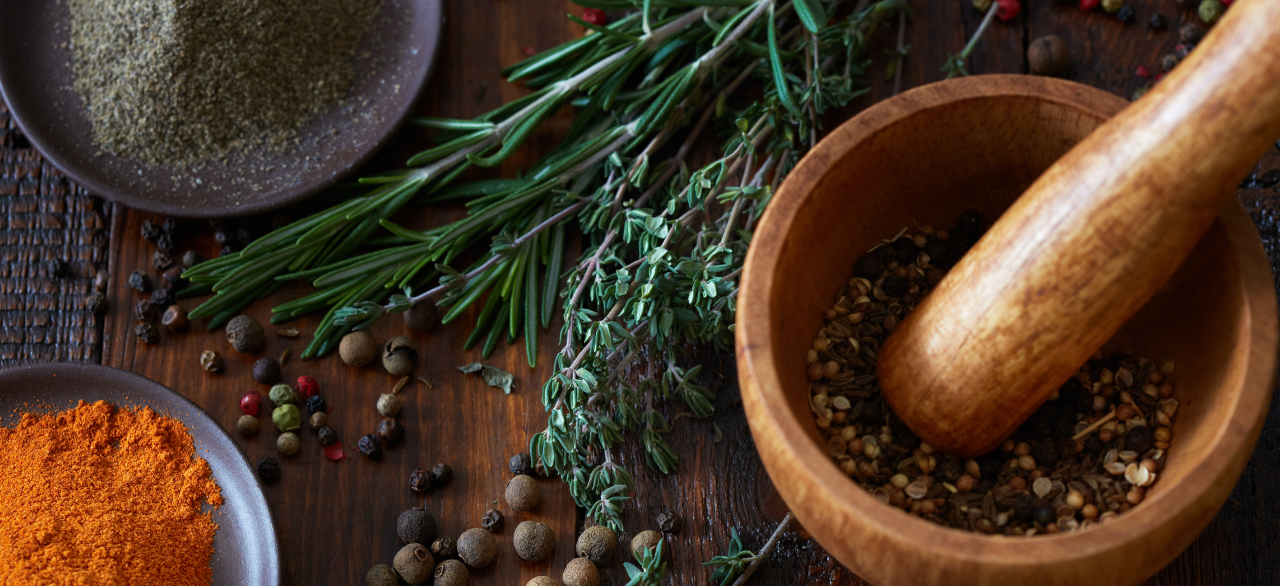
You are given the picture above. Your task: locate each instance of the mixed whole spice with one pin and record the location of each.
(1087, 455)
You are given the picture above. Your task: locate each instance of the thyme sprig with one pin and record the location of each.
(663, 245)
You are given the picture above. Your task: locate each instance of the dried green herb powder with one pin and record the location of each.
(177, 82)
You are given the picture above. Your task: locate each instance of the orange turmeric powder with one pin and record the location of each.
(104, 495)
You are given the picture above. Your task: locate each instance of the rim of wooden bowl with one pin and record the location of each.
(842, 515)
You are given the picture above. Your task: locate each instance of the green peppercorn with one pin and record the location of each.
(286, 418)
(245, 335)
(534, 541)
(288, 443)
(1112, 5)
(523, 493)
(416, 526)
(381, 575)
(414, 564)
(581, 572)
(248, 425)
(283, 395)
(645, 540)
(389, 405)
(451, 573)
(477, 547)
(1210, 11)
(982, 5)
(598, 544)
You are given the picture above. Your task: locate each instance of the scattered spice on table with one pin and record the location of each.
(267, 371)
(414, 564)
(451, 572)
(1088, 454)
(522, 493)
(416, 525)
(288, 443)
(358, 349)
(534, 541)
(389, 405)
(370, 446)
(100, 494)
(477, 547)
(247, 425)
(444, 548)
(170, 82)
(245, 335)
(581, 572)
(211, 361)
(492, 521)
(419, 480)
(598, 544)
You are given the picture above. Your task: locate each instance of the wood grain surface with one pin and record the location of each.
(337, 520)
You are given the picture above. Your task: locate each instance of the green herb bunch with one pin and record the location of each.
(663, 244)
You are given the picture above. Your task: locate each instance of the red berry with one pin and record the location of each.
(1160, 76)
(595, 16)
(1008, 9)
(528, 50)
(250, 401)
(1226, 2)
(1142, 71)
(306, 386)
(1089, 4)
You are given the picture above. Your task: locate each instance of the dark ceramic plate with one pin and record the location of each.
(35, 80)
(245, 552)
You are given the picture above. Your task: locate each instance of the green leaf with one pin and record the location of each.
(811, 14)
(493, 376)
(779, 73)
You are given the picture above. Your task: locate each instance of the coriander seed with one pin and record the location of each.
(318, 420)
(248, 425)
(288, 443)
(534, 541)
(389, 405)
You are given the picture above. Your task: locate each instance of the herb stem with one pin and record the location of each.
(765, 551)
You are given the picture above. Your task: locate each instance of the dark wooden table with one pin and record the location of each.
(335, 520)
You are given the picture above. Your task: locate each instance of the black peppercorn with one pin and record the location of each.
(161, 260)
(668, 522)
(419, 481)
(1269, 179)
(244, 235)
(1139, 439)
(269, 470)
(168, 226)
(370, 446)
(172, 277)
(327, 436)
(226, 250)
(190, 259)
(266, 371)
(868, 266)
(1045, 453)
(96, 303)
(1158, 22)
(1024, 507)
(389, 430)
(1094, 444)
(441, 474)
(150, 231)
(144, 310)
(162, 298)
(165, 243)
(1169, 62)
(491, 521)
(140, 282)
(894, 285)
(147, 333)
(220, 237)
(1043, 515)
(521, 464)
(1190, 34)
(1126, 14)
(416, 526)
(316, 404)
(174, 318)
(444, 548)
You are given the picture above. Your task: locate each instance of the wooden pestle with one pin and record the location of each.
(1088, 243)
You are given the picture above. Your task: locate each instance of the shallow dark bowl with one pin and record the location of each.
(245, 551)
(925, 157)
(36, 78)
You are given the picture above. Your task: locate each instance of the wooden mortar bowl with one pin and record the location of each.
(925, 157)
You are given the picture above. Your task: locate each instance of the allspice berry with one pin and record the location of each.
(534, 541)
(266, 371)
(422, 317)
(581, 572)
(358, 348)
(523, 493)
(451, 573)
(288, 443)
(1049, 55)
(598, 544)
(389, 405)
(414, 564)
(246, 335)
(398, 356)
(248, 425)
(381, 575)
(645, 540)
(390, 431)
(543, 581)
(416, 526)
(477, 547)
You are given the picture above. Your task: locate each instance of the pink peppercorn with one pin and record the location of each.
(306, 386)
(595, 16)
(250, 401)
(1143, 72)
(529, 50)
(1008, 9)
(1089, 4)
